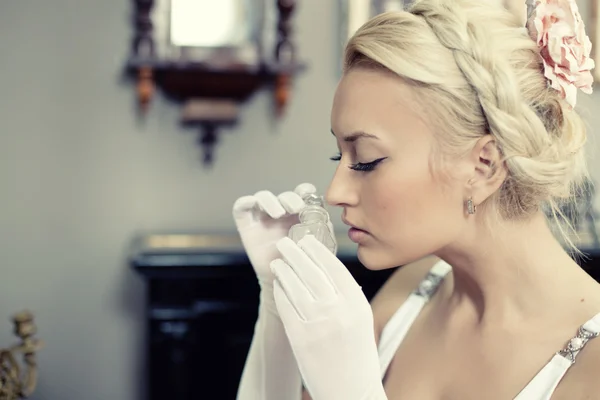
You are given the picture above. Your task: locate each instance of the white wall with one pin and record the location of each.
(79, 176)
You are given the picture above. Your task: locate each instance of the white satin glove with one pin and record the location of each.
(328, 321)
(262, 220)
(271, 371)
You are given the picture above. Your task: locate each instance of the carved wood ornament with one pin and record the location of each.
(211, 93)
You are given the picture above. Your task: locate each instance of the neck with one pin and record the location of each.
(514, 274)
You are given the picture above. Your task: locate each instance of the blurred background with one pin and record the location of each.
(86, 175)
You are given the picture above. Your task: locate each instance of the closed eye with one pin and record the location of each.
(366, 167)
(336, 157)
(362, 167)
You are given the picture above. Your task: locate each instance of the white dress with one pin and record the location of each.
(540, 387)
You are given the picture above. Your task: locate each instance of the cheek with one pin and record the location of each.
(409, 195)
(412, 215)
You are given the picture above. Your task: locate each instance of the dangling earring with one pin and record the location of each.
(471, 208)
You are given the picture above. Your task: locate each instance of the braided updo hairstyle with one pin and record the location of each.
(475, 71)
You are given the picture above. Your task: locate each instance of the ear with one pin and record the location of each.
(489, 169)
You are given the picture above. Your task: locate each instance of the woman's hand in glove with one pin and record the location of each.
(328, 321)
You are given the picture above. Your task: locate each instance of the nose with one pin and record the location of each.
(341, 191)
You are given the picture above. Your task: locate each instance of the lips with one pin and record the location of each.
(346, 222)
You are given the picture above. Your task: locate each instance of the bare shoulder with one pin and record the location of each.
(397, 289)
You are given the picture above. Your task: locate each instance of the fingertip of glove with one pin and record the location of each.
(284, 243)
(244, 203)
(292, 202)
(307, 241)
(275, 264)
(305, 188)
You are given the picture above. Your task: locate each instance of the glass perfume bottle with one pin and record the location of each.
(314, 220)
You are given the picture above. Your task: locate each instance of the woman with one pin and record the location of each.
(456, 132)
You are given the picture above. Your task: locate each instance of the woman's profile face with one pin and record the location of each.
(385, 181)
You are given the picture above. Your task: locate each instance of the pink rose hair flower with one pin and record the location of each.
(559, 31)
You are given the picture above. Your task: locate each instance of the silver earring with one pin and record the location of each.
(471, 208)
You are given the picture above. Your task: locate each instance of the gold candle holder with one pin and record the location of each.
(17, 382)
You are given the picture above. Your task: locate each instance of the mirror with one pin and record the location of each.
(206, 23)
(210, 56)
(224, 31)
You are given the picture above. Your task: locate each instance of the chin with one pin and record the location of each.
(381, 258)
(375, 260)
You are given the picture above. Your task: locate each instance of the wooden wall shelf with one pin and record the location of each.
(188, 80)
(182, 81)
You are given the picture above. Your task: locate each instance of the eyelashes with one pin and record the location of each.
(362, 167)
(365, 167)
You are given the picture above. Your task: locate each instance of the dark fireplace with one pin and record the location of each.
(202, 303)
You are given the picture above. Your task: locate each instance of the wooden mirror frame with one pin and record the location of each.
(211, 94)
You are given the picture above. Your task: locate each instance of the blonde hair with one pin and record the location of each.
(476, 70)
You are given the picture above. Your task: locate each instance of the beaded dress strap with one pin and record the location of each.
(430, 284)
(585, 333)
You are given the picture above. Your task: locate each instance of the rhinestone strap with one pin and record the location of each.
(428, 286)
(576, 344)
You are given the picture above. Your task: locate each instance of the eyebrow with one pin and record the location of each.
(353, 137)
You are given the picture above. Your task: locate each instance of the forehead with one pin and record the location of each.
(373, 100)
